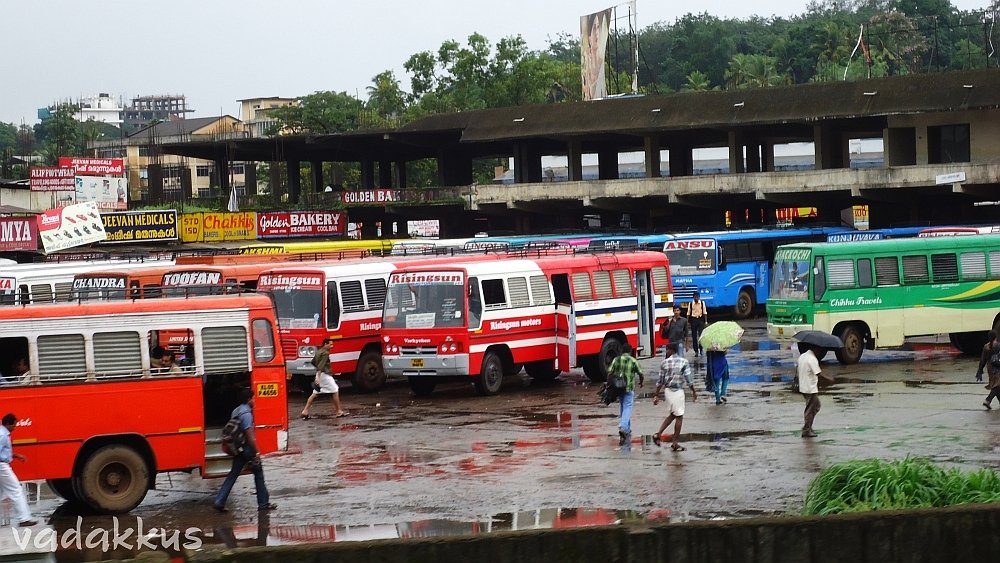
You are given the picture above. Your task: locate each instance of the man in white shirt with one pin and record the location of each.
(10, 486)
(809, 373)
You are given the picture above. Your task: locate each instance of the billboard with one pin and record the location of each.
(51, 179)
(94, 166)
(280, 224)
(217, 227)
(18, 233)
(141, 226)
(593, 47)
(108, 192)
(70, 226)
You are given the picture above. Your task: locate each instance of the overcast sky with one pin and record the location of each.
(218, 51)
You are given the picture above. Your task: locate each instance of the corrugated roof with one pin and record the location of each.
(178, 127)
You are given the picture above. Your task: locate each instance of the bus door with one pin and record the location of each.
(565, 323)
(763, 288)
(646, 314)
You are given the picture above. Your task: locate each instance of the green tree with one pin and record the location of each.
(321, 113)
(697, 81)
(385, 97)
(60, 135)
(967, 55)
(753, 71)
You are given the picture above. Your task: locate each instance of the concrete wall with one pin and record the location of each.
(967, 534)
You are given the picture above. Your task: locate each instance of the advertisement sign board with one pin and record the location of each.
(70, 226)
(280, 224)
(94, 166)
(18, 233)
(141, 226)
(51, 179)
(107, 192)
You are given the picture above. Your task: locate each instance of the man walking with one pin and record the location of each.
(248, 455)
(989, 359)
(324, 384)
(675, 372)
(676, 330)
(698, 318)
(809, 373)
(10, 486)
(626, 366)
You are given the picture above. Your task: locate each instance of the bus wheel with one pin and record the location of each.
(63, 488)
(542, 371)
(854, 346)
(744, 304)
(490, 375)
(114, 479)
(422, 386)
(611, 348)
(969, 343)
(369, 375)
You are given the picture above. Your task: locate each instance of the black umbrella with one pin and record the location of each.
(819, 338)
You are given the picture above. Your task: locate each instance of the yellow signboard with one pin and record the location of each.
(218, 227)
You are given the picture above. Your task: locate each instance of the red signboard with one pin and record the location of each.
(18, 233)
(300, 224)
(52, 179)
(370, 197)
(94, 166)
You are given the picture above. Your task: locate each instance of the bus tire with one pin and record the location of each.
(542, 371)
(611, 348)
(854, 346)
(113, 479)
(744, 304)
(63, 488)
(422, 386)
(968, 343)
(490, 375)
(369, 376)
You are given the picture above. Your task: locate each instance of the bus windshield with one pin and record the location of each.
(790, 277)
(425, 300)
(691, 258)
(298, 307)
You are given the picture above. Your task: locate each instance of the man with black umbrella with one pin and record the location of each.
(809, 373)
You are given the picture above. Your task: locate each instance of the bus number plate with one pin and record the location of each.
(267, 389)
(417, 363)
(781, 331)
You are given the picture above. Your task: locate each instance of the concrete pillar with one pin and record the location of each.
(736, 162)
(385, 173)
(681, 160)
(651, 145)
(316, 175)
(574, 161)
(187, 184)
(368, 174)
(831, 150)
(768, 156)
(249, 177)
(527, 164)
(222, 170)
(275, 179)
(754, 157)
(294, 181)
(607, 164)
(399, 172)
(154, 183)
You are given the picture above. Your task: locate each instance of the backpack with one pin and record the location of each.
(233, 437)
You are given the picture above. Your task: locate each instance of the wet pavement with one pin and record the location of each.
(548, 456)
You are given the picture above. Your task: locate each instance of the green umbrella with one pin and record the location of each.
(720, 336)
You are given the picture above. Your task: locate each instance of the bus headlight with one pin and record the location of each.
(448, 348)
(307, 351)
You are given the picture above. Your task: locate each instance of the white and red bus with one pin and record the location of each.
(98, 422)
(484, 320)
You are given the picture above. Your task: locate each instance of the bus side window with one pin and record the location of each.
(494, 296)
(263, 341)
(117, 355)
(224, 349)
(62, 357)
(332, 305)
(819, 279)
(865, 278)
(886, 271)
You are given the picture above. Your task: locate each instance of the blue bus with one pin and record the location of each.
(731, 269)
(629, 242)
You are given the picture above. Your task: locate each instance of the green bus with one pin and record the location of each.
(873, 294)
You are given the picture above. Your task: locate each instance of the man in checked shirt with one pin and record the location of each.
(675, 372)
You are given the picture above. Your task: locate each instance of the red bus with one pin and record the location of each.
(484, 320)
(99, 423)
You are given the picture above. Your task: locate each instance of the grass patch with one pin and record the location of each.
(873, 484)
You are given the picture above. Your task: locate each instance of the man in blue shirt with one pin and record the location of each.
(10, 486)
(248, 455)
(626, 366)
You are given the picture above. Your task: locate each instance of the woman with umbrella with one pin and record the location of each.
(715, 340)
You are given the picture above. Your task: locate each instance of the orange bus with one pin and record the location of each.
(98, 422)
(167, 281)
